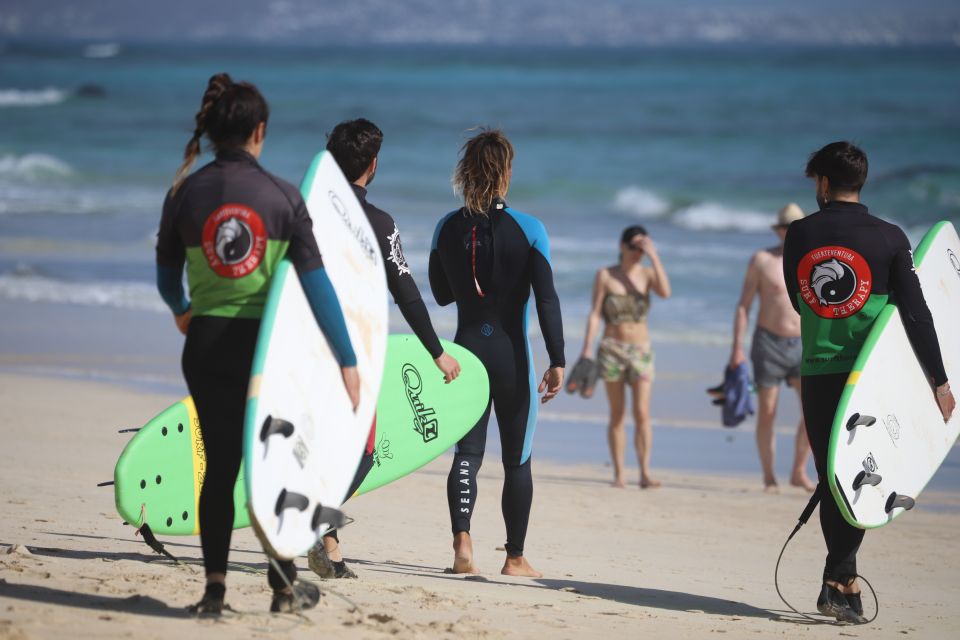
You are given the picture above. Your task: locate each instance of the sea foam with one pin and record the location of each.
(32, 97)
(640, 202)
(33, 165)
(139, 296)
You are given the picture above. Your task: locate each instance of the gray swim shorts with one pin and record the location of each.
(775, 359)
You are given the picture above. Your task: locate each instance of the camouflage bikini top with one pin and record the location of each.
(619, 308)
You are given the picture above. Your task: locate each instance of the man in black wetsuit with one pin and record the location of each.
(864, 262)
(355, 145)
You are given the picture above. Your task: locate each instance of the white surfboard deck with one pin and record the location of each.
(906, 444)
(312, 454)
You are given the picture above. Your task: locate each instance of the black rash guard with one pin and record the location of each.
(841, 266)
(400, 280)
(487, 264)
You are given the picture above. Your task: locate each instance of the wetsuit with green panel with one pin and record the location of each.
(841, 266)
(230, 224)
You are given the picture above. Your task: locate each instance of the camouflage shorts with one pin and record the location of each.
(624, 361)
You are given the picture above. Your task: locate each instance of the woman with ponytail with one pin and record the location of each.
(486, 257)
(229, 224)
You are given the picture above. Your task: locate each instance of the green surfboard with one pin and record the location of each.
(158, 476)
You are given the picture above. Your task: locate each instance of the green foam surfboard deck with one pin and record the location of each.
(419, 416)
(158, 477)
(160, 472)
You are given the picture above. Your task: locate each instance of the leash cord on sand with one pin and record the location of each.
(807, 511)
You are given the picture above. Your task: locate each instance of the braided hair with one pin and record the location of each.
(229, 114)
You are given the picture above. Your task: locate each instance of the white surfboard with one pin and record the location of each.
(302, 439)
(888, 436)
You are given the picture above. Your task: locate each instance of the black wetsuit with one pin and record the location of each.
(487, 265)
(231, 223)
(841, 266)
(406, 295)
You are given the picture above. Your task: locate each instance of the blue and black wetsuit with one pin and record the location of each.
(230, 223)
(487, 264)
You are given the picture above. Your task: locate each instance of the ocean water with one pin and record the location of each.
(701, 145)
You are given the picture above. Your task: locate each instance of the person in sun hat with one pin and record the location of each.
(775, 349)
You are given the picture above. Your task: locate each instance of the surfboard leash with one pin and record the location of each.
(151, 540)
(804, 517)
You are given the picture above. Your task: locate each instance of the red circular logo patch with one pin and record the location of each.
(835, 282)
(234, 240)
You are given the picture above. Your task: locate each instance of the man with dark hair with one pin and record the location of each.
(355, 145)
(841, 265)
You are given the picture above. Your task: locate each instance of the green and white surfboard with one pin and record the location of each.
(159, 475)
(888, 436)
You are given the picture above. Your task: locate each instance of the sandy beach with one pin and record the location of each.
(692, 559)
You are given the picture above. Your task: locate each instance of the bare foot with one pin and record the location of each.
(802, 481)
(518, 566)
(647, 482)
(618, 483)
(463, 554)
(771, 487)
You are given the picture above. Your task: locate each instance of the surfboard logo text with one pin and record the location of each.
(892, 425)
(382, 452)
(835, 282)
(870, 463)
(366, 244)
(954, 261)
(424, 417)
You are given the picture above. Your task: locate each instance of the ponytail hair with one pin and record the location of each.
(229, 114)
(483, 171)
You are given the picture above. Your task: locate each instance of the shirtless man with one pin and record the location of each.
(775, 351)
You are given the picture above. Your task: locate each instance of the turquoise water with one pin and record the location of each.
(702, 146)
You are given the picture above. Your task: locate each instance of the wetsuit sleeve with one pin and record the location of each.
(171, 256)
(914, 312)
(439, 284)
(402, 286)
(303, 251)
(790, 262)
(326, 309)
(545, 295)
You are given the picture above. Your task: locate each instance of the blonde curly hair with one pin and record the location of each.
(483, 171)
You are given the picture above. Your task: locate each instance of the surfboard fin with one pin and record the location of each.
(290, 500)
(857, 420)
(897, 501)
(865, 477)
(334, 518)
(273, 426)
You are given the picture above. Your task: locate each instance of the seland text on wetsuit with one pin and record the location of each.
(406, 295)
(487, 264)
(841, 266)
(230, 223)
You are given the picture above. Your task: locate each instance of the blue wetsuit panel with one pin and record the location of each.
(487, 264)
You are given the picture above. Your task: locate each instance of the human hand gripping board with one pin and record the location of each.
(302, 438)
(418, 419)
(888, 436)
